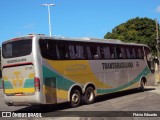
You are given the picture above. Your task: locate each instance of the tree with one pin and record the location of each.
(137, 30)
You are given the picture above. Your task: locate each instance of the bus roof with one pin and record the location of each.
(95, 40)
(84, 39)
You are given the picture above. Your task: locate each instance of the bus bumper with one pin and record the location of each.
(24, 100)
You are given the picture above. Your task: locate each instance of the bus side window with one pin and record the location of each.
(123, 52)
(112, 52)
(48, 49)
(72, 53)
(147, 53)
(99, 52)
(57, 52)
(51, 49)
(140, 53)
(142, 50)
(128, 53)
(93, 51)
(115, 52)
(136, 52)
(80, 51)
(133, 54)
(118, 52)
(102, 52)
(105, 52)
(43, 47)
(63, 50)
(89, 55)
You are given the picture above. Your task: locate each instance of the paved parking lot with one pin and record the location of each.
(123, 101)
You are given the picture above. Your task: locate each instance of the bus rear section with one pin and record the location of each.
(20, 86)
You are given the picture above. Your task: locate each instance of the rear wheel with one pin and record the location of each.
(89, 95)
(75, 98)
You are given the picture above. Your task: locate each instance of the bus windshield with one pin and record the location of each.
(17, 48)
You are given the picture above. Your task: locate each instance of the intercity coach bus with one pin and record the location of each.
(37, 69)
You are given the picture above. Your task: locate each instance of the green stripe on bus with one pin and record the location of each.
(29, 83)
(61, 82)
(145, 72)
(7, 84)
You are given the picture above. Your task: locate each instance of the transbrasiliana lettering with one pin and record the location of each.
(117, 65)
(16, 60)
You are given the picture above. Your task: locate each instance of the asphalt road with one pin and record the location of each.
(148, 101)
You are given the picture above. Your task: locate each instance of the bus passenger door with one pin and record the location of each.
(50, 90)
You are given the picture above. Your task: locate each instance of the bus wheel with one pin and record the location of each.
(75, 98)
(141, 89)
(89, 95)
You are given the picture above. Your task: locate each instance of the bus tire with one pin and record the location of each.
(89, 95)
(75, 98)
(141, 88)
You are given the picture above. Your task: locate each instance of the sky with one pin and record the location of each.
(71, 18)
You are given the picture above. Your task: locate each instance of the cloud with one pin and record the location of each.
(158, 9)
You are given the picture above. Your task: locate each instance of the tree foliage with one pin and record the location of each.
(137, 30)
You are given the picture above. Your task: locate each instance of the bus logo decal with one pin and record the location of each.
(17, 80)
(76, 67)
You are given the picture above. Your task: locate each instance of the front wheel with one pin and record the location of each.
(75, 98)
(141, 89)
(89, 95)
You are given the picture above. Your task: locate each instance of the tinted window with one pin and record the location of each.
(53, 50)
(133, 53)
(147, 51)
(123, 52)
(61, 50)
(128, 52)
(93, 51)
(112, 52)
(17, 48)
(105, 52)
(140, 53)
(72, 50)
(76, 50)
